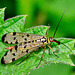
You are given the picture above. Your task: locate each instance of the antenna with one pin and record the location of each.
(62, 43)
(57, 28)
(59, 22)
(66, 46)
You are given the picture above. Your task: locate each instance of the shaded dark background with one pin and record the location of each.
(44, 12)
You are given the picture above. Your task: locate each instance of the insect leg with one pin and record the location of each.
(41, 57)
(53, 51)
(49, 49)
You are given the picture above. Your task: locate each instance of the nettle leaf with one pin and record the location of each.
(1, 16)
(16, 24)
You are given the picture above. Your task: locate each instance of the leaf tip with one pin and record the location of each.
(25, 15)
(4, 8)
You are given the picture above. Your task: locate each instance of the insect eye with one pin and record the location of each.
(51, 39)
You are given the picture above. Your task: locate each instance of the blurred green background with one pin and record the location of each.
(44, 12)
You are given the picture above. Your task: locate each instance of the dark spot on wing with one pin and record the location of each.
(35, 40)
(27, 50)
(29, 41)
(13, 54)
(11, 50)
(14, 33)
(16, 42)
(16, 47)
(6, 42)
(2, 60)
(25, 46)
(13, 59)
(32, 40)
(25, 42)
(22, 36)
(3, 37)
(27, 35)
(11, 43)
(26, 39)
(14, 38)
(5, 53)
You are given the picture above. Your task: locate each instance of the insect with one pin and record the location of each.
(26, 43)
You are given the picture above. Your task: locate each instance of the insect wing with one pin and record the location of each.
(16, 38)
(20, 50)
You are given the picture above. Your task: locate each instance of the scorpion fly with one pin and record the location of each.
(26, 43)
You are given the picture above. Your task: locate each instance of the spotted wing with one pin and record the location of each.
(22, 49)
(15, 38)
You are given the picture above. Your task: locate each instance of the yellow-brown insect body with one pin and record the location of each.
(26, 44)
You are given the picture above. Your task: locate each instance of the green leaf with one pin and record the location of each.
(16, 24)
(1, 17)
